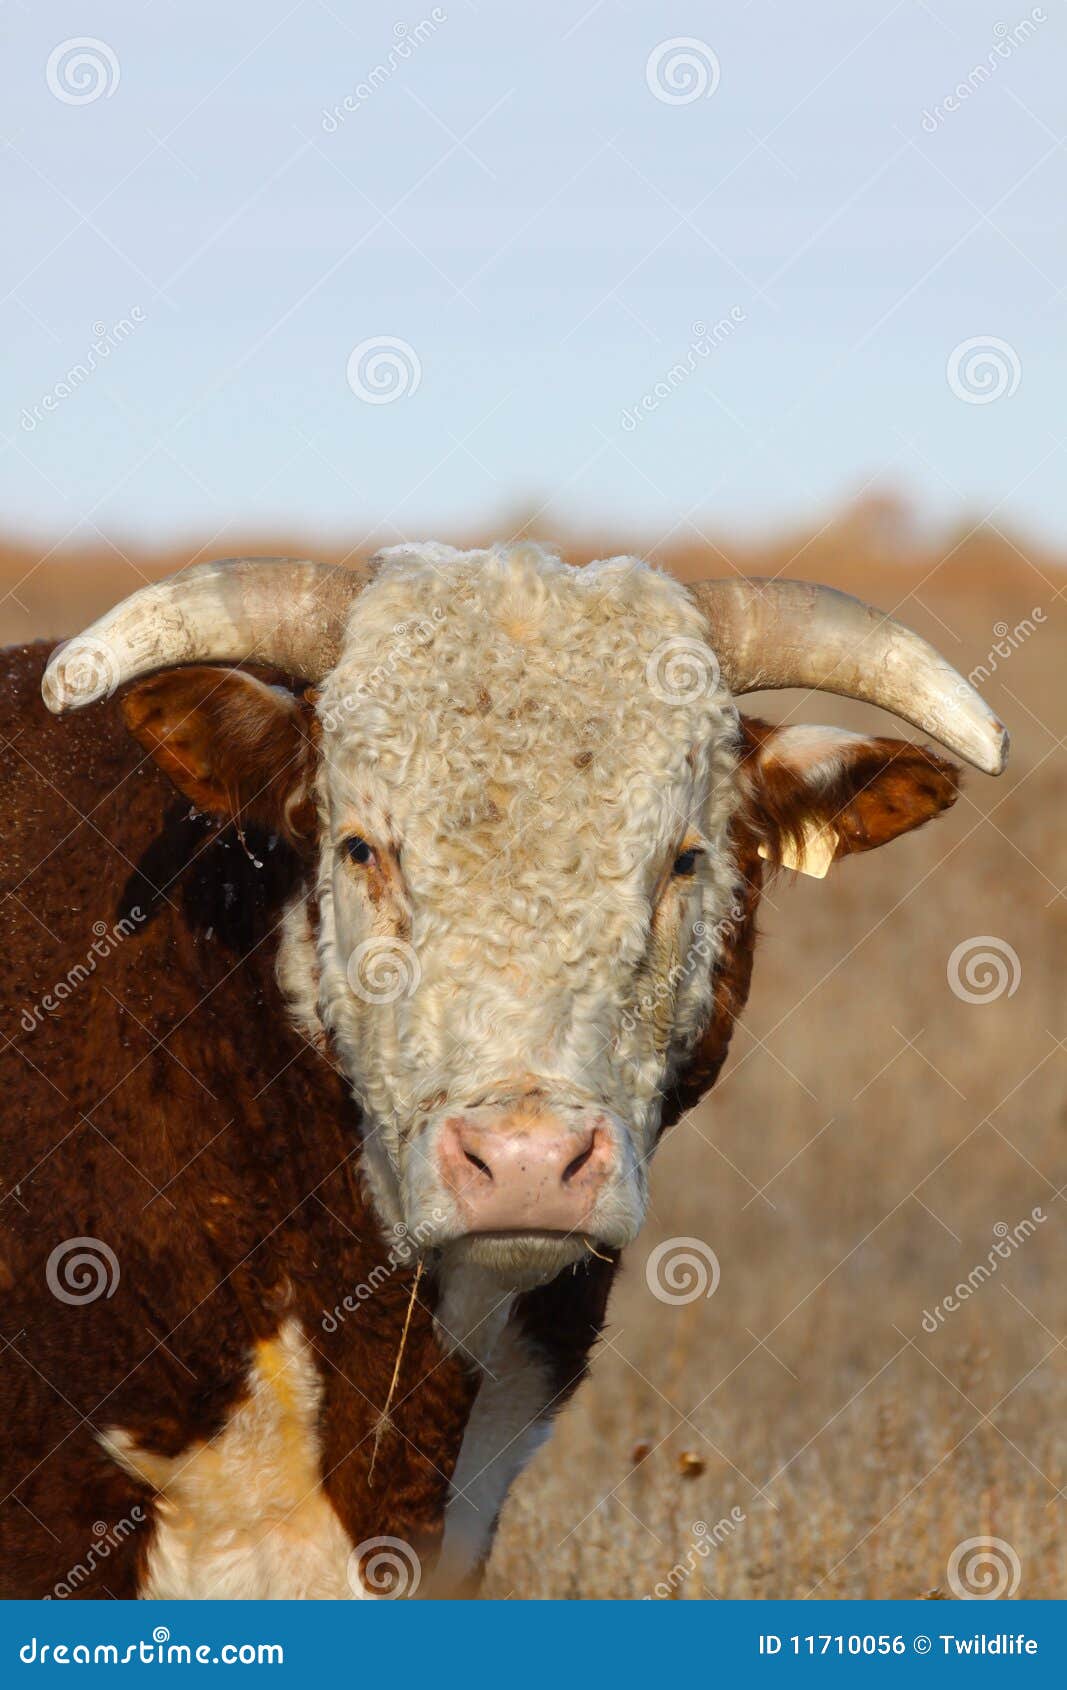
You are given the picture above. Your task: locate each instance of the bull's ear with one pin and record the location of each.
(237, 747)
(814, 795)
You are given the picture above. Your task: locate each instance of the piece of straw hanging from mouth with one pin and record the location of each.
(383, 1419)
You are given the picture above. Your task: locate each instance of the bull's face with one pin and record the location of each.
(526, 778)
(533, 824)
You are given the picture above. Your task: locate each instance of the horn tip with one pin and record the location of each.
(79, 672)
(988, 751)
(1000, 748)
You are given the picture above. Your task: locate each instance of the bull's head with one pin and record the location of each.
(534, 822)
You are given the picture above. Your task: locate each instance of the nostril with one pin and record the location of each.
(476, 1162)
(575, 1167)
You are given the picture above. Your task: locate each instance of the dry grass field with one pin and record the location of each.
(872, 1131)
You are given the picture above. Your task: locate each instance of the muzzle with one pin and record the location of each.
(527, 1165)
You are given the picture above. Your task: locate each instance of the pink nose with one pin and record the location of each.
(518, 1170)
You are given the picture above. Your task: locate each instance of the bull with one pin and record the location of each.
(359, 951)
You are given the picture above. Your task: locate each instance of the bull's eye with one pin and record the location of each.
(357, 850)
(685, 863)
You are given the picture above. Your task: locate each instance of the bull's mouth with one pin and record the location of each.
(523, 1258)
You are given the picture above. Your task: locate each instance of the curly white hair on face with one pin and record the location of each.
(525, 747)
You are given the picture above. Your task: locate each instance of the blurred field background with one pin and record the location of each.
(871, 1131)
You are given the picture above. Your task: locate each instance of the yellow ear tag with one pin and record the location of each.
(813, 855)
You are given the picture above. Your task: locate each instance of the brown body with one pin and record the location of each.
(169, 1110)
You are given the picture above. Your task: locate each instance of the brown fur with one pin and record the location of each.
(883, 788)
(232, 743)
(168, 1108)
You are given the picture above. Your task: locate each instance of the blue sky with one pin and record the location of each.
(513, 199)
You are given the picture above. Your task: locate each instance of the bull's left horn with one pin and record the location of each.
(287, 613)
(772, 633)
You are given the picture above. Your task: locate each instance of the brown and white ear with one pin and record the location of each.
(815, 795)
(237, 747)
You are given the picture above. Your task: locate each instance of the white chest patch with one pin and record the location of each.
(244, 1515)
(507, 1426)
